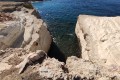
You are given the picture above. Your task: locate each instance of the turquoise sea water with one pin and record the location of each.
(61, 17)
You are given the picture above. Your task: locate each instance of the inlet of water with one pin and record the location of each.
(61, 17)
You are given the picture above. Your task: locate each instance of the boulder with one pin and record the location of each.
(36, 36)
(26, 31)
(99, 38)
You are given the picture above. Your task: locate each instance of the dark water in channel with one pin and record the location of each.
(61, 17)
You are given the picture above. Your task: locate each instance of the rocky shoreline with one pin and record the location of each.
(23, 35)
(52, 69)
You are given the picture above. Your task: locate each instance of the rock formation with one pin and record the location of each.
(51, 69)
(48, 68)
(31, 58)
(10, 31)
(25, 31)
(99, 38)
(30, 41)
(80, 69)
(11, 57)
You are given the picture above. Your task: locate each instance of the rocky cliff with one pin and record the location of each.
(24, 30)
(99, 38)
(30, 40)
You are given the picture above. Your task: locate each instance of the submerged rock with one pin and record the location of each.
(99, 38)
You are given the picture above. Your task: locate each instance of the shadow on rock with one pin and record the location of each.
(56, 53)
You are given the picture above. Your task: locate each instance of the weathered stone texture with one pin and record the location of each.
(99, 38)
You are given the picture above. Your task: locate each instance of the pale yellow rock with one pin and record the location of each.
(26, 31)
(36, 36)
(4, 66)
(99, 38)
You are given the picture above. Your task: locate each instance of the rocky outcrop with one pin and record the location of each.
(25, 31)
(80, 69)
(30, 40)
(52, 69)
(99, 38)
(36, 35)
(48, 68)
(10, 31)
(10, 58)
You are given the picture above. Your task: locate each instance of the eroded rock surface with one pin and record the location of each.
(99, 41)
(80, 69)
(99, 38)
(46, 69)
(10, 31)
(25, 31)
(12, 57)
(53, 69)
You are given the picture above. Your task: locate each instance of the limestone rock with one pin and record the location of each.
(26, 31)
(31, 58)
(50, 68)
(8, 58)
(53, 69)
(80, 69)
(36, 36)
(11, 57)
(99, 38)
(9, 32)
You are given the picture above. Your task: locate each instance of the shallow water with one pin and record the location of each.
(61, 17)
